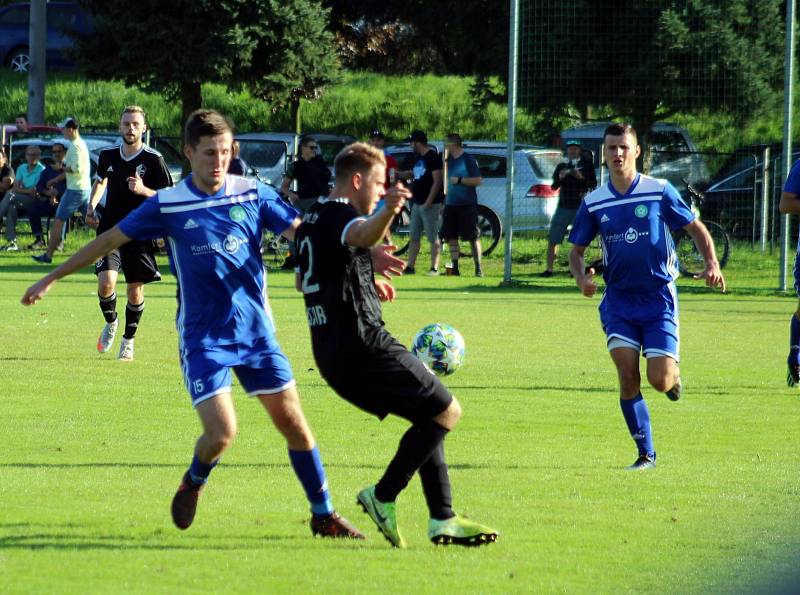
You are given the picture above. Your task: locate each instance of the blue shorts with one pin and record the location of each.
(262, 368)
(797, 273)
(645, 322)
(71, 201)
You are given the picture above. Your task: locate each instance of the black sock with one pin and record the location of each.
(133, 314)
(108, 306)
(436, 485)
(416, 447)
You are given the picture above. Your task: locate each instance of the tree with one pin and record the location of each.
(646, 60)
(175, 47)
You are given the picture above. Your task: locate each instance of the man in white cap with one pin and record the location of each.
(76, 197)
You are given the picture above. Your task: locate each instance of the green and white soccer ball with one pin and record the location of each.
(440, 347)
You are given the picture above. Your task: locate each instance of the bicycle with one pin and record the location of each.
(272, 244)
(690, 261)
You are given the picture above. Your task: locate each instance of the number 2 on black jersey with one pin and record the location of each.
(307, 286)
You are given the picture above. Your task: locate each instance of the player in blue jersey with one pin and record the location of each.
(634, 215)
(213, 224)
(790, 205)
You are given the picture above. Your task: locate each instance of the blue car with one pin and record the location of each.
(61, 18)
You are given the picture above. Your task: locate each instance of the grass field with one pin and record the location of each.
(94, 450)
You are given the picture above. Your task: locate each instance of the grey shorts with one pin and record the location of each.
(562, 219)
(425, 219)
(71, 201)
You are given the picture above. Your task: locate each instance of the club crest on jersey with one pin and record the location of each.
(632, 235)
(237, 213)
(640, 211)
(141, 169)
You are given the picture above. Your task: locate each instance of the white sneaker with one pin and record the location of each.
(106, 339)
(126, 350)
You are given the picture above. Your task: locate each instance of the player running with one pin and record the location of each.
(634, 215)
(128, 174)
(360, 360)
(214, 224)
(790, 205)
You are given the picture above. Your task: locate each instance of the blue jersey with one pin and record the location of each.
(638, 251)
(464, 166)
(214, 252)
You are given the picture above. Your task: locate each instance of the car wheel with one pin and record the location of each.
(20, 60)
(490, 230)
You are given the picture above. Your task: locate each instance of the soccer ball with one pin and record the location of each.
(440, 347)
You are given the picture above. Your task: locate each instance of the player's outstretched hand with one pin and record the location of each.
(586, 284)
(385, 263)
(385, 290)
(36, 292)
(395, 197)
(713, 276)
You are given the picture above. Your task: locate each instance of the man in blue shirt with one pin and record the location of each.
(461, 203)
(790, 205)
(634, 215)
(213, 224)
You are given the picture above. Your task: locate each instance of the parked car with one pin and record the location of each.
(675, 156)
(62, 18)
(534, 200)
(269, 153)
(734, 196)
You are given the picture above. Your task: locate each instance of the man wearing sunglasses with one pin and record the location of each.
(311, 173)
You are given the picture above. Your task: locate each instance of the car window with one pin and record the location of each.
(17, 15)
(171, 154)
(261, 153)
(669, 142)
(743, 179)
(329, 149)
(62, 17)
(544, 164)
(491, 166)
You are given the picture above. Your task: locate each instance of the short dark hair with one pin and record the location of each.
(357, 158)
(205, 122)
(621, 129)
(454, 138)
(22, 116)
(307, 139)
(62, 145)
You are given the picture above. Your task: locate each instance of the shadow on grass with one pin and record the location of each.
(379, 466)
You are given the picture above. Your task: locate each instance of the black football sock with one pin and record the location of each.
(133, 314)
(416, 447)
(108, 306)
(436, 485)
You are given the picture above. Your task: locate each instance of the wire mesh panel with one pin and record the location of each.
(700, 80)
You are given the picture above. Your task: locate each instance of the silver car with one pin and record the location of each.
(534, 201)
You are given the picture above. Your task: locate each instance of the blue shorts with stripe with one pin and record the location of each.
(642, 321)
(261, 367)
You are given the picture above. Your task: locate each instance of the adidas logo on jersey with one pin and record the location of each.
(604, 218)
(191, 224)
(110, 169)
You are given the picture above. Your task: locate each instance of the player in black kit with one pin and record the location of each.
(358, 357)
(128, 174)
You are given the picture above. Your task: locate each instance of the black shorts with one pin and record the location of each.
(136, 259)
(389, 381)
(460, 222)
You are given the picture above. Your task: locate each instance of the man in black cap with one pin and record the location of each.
(575, 177)
(425, 171)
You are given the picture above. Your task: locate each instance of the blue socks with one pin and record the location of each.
(199, 471)
(637, 416)
(794, 341)
(307, 466)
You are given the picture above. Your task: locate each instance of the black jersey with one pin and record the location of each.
(117, 168)
(342, 305)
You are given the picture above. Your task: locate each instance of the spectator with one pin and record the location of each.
(575, 177)
(238, 166)
(21, 122)
(76, 197)
(311, 173)
(6, 174)
(461, 203)
(51, 185)
(425, 171)
(26, 178)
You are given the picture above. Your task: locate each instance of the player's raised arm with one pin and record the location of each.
(101, 245)
(369, 232)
